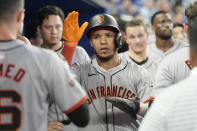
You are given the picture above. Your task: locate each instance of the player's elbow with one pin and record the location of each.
(80, 116)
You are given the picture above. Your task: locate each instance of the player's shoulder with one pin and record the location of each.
(82, 64)
(40, 54)
(181, 43)
(41, 51)
(123, 54)
(79, 48)
(182, 53)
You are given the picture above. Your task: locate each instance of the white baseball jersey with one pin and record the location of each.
(150, 65)
(175, 108)
(157, 55)
(173, 68)
(128, 80)
(55, 114)
(29, 77)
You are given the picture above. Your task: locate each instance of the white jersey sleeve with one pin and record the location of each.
(173, 68)
(144, 84)
(70, 89)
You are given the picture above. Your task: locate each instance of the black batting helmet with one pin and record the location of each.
(105, 20)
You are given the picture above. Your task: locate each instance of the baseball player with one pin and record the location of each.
(175, 108)
(27, 79)
(137, 37)
(50, 26)
(165, 44)
(173, 68)
(109, 76)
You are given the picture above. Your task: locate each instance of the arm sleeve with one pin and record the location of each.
(144, 84)
(163, 77)
(67, 92)
(68, 51)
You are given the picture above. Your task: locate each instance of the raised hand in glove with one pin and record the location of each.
(71, 30)
(71, 34)
(130, 106)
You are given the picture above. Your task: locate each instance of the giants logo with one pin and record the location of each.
(100, 18)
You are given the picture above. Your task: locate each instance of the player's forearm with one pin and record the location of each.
(72, 33)
(68, 51)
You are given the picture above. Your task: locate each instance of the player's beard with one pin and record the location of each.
(104, 59)
(165, 36)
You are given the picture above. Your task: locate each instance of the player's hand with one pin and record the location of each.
(55, 126)
(71, 30)
(130, 106)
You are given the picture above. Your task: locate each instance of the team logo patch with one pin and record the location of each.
(100, 18)
(188, 63)
(2, 55)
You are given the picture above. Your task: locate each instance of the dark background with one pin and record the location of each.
(85, 8)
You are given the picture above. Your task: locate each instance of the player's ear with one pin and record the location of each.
(38, 28)
(20, 15)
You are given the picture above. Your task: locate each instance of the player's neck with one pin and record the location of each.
(138, 57)
(113, 62)
(164, 45)
(53, 47)
(7, 33)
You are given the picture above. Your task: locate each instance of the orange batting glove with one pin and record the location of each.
(72, 34)
(71, 30)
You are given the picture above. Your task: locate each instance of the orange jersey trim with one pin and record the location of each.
(73, 108)
(68, 51)
(151, 98)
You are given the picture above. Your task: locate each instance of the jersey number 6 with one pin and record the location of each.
(11, 111)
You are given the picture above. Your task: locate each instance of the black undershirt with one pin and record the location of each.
(139, 63)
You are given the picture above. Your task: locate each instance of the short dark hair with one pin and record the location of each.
(45, 11)
(191, 11)
(8, 9)
(136, 22)
(191, 14)
(178, 25)
(157, 13)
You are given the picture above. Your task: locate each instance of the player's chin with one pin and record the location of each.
(139, 50)
(104, 57)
